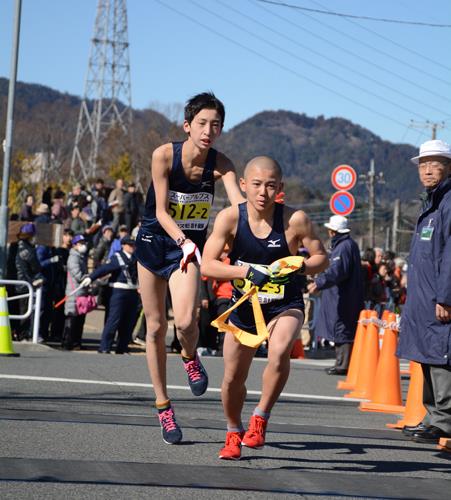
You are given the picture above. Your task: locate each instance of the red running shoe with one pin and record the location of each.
(232, 447)
(255, 434)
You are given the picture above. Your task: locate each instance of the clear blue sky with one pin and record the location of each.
(257, 57)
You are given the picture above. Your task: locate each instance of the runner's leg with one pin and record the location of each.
(153, 295)
(237, 361)
(184, 289)
(284, 330)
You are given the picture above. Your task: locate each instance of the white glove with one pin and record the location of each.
(190, 251)
(38, 282)
(55, 259)
(86, 281)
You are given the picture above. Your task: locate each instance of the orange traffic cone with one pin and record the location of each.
(408, 371)
(368, 362)
(384, 319)
(386, 397)
(298, 350)
(414, 411)
(356, 354)
(6, 344)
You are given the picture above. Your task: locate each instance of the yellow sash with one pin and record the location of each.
(278, 268)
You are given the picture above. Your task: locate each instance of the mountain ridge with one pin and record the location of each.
(307, 148)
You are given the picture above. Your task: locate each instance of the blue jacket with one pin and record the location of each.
(115, 247)
(423, 338)
(342, 296)
(124, 274)
(48, 268)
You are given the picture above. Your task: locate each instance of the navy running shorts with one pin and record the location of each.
(158, 253)
(243, 316)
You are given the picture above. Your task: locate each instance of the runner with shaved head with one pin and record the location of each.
(259, 232)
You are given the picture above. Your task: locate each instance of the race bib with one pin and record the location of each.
(266, 294)
(190, 211)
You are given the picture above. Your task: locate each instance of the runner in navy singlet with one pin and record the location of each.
(169, 242)
(260, 231)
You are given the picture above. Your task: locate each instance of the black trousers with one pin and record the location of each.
(73, 331)
(437, 396)
(343, 355)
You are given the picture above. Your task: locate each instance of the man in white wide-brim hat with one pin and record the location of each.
(342, 293)
(425, 335)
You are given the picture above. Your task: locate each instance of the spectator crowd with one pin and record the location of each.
(95, 222)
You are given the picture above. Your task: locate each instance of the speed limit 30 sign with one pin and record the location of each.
(343, 177)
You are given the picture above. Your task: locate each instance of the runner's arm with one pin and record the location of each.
(318, 260)
(226, 171)
(223, 232)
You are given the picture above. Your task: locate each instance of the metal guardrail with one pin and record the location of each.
(32, 304)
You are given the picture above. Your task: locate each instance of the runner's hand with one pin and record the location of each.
(258, 275)
(190, 252)
(283, 279)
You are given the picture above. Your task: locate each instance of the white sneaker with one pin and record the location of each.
(139, 341)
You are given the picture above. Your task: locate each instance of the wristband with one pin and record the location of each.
(179, 241)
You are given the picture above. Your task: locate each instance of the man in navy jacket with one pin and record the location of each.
(342, 293)
(426, 319)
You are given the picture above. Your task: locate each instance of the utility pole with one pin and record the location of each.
(106, 103)
(395, 226)
(434, 126)
(370, 179)
(7, 143)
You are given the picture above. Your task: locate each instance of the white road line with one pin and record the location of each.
(176, 387)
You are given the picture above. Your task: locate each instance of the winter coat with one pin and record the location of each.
(124, 274)
(49, 269)
(423, 338)
(27, 264)
(26, 213)
(77, 268)
(342, 291)
(78, 226)
(117, 194)
(100, 252)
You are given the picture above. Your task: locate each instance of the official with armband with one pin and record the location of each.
(124, 297)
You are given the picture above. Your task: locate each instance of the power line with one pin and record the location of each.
(427, 57)
(352, 16)
(350, 52)
(375, 49)
(295, 56)
(279, 65)
(329, 59)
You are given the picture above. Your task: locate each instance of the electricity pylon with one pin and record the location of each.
(106, 102)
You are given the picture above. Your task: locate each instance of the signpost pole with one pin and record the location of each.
(7, 145)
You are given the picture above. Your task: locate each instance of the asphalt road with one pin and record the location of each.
(79, 425)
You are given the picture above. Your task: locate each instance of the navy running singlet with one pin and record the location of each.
(248, 249)
(189, 203)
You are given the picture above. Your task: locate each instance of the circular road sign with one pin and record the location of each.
(342, 203)
(343, 177)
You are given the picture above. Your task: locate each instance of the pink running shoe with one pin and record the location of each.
(197, 376)
(171, 432)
